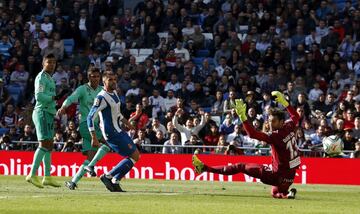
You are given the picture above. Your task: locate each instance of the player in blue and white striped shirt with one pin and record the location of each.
(107, 106)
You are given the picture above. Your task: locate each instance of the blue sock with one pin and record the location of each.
(121, 168)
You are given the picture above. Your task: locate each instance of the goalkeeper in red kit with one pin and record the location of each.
(284, 151)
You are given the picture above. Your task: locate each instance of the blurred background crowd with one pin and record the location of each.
(181, 64)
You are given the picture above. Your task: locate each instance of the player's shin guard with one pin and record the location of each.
(101, 152)
(38, 156)
(254, 170)
(122, 168)
(80, 173)
(47, 163)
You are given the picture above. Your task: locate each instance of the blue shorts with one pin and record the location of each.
(122, 144)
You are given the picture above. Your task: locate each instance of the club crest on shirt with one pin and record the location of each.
(130, 146)
(97, 102)
(41, 88)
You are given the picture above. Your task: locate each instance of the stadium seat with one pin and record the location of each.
(134, 52)
(217, 119)
(3, 131)
(208, 36)
(241, 36)
(207, 109)
(14, 89)
(211, 61)
(202, 53)
(243, 29)
(140, 59)
(38, 18)
(15, 92)
(69, 46)
(163, 35)
(1, 74)
(65, 18)
(145, 52)
(198, 60)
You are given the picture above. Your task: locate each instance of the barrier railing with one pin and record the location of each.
(192, 148)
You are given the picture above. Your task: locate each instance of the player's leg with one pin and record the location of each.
(49, 145)
(48, 180)
(254, 170)
(88, 151)
(43, 133)
(281, 190)
(125, 147)
(95, 154)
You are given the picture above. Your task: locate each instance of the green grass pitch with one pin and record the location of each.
(159, 196)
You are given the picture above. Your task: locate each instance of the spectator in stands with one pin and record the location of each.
(211, 138)
(5, 97)
(198, 38)
(47, 26)
(228, 103)
(5, 47)
(356, 153)
(232, 149)
(151, 39)
(189, 128)
(142, 140)
(139, 117)
(20, 76)
(316, 138)
(227, 126)
(182, 52)
(9, 117)
(158, 104)
(348, 140)
(118, 45)
(28, 135)
(236, 135)
(59, 74)
(222, 52)
(173, 85)
(170, 100)
(5, 143)
(172, 145)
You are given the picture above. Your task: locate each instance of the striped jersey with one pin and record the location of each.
(107, 106)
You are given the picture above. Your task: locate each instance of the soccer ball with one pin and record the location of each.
(333, 145)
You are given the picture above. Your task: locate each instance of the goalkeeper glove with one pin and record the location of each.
(280, 98)
(240, 109)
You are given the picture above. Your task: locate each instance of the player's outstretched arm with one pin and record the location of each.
(280, 98)
(240, 109)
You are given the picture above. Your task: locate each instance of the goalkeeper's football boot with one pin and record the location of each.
(34, 180)
(107, 182)
(71, 185)
(292, 193)
(117, 188)
(198, 165)
(49, 181)
(90, 170)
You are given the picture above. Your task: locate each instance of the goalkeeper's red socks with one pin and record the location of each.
(254, 170)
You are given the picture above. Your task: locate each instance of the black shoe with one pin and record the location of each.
(292, 193)
(71, 185)
(90, 170)
(117, 188)
(107, 182)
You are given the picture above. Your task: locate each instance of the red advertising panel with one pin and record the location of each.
(178, 167)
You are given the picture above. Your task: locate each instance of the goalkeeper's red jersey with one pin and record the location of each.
(284, 150)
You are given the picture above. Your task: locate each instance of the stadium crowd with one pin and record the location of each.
(181, 64)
